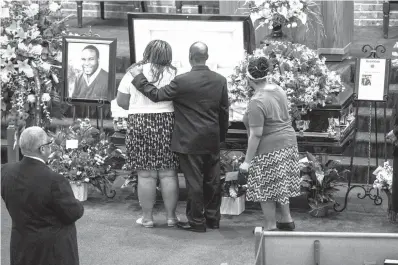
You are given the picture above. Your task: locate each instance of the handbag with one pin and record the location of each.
(242, 178)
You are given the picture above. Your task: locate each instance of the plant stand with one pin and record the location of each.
(80, 190)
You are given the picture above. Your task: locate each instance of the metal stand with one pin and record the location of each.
(90, 33)
(102, 184)
(367, 189)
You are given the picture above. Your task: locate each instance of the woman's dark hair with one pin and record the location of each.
(258, 67)
(159, 54)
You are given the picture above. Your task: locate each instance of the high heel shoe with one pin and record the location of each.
(286, 226)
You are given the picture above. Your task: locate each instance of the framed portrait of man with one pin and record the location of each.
(89, 69)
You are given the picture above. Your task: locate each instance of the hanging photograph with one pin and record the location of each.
(372, 79)
(89, 69)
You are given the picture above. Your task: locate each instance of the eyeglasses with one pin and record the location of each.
(50, 142)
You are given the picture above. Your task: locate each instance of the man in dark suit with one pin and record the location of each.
(392, 136)
(42, 206)
(201, 104)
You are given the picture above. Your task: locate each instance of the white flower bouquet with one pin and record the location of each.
(289, 13)
(383, 175)
(31, 61)
(297, 69)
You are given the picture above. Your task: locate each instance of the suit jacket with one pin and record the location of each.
(98, 89)
(200, 99)
(43, 210)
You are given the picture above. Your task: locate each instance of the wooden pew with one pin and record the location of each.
(326, 248)
(387, 7)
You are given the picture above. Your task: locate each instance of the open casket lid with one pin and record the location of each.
(227, 37)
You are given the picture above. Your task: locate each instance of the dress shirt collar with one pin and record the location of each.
(37, 158)
(199, 67)
(92, 77)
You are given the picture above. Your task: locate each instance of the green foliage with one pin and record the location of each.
(320, 181)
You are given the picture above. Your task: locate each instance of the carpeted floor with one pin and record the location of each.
(107, 234)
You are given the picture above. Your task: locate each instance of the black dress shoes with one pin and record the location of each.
(188, 227)
(213, 225)
(286, 226)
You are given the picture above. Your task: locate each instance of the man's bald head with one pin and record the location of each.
(198, 53)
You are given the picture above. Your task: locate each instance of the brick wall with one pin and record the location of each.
(366, 13)
(119, 9)
(370, 13)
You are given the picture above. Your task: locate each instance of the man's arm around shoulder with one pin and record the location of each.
(66, 206)
(166, 93)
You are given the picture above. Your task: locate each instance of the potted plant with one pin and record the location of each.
(383, 182)
(232, 190)
(84, 156)
(319, 181)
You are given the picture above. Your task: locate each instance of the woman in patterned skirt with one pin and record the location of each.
(148, 137)
(272, 155)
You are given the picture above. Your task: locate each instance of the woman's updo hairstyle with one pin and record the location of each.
(258, 69)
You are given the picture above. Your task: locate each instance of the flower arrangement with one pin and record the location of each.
(297, 69)
(82, 154)
(383, 179)
(289, 13)
(230, 169)
(31, 56)
(319, 181)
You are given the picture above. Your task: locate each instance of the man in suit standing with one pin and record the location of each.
(42, 206)
(201, 105)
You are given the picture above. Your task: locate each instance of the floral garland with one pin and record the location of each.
(31, 58)
(287, 13)
(297, 69)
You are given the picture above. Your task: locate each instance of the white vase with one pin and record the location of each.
(79, 190)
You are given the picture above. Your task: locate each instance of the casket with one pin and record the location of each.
(227, 37)
(328, 129)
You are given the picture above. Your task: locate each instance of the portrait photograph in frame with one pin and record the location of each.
(89, 69)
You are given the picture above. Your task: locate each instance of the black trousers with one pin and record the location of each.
(394, 195)
(202, 176)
